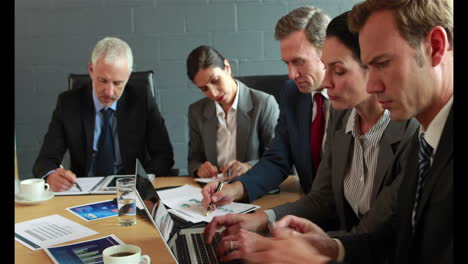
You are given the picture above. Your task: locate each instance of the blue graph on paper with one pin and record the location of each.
(88, 252)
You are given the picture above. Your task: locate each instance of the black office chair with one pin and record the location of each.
(137, 79)
(272, 84)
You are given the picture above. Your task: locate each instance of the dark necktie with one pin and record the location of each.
(317, 131)
(424, 165)
(104, 162)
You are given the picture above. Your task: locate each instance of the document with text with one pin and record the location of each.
(187, 201)
(48, 231)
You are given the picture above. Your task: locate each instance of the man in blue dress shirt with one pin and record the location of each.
(101, 146)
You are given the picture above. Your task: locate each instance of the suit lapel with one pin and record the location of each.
(439, 162)
(244, 106)
(343, 148)
(209, 129)
(406, 197)
(89, 115)
(123, 129)
(304, 113)
(392, 135)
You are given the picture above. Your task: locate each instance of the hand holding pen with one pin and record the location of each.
(218, 188)
(235, 168)
(76, 183)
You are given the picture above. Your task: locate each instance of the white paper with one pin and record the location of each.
(96, 185)
(49, 230)
(187, 199)
(86, 183)
(184, 216)
(207, 180)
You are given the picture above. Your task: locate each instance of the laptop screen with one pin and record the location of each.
(154, 209)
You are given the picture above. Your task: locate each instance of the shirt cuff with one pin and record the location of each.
(271, 217)
(47, 174)
(341, 250)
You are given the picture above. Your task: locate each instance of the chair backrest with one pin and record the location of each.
(272, 84)
(138, 79)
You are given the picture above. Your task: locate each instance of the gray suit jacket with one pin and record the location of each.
(257, 114)
(326, 204)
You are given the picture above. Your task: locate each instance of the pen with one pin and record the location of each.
(220, 186)
(228, 174)
(76, 183)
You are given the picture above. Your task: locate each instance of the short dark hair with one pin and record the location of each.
(338, 27)
(203, 57)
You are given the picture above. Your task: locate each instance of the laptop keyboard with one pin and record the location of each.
(182, 250)
(205, 253)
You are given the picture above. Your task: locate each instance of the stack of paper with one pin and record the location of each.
(185, 202)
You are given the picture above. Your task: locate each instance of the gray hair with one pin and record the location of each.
(112, 49)
(311, 19)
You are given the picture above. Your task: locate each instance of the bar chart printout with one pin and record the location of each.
(88, 252)
(48, 231)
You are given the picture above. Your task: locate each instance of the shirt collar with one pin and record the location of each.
(434, 130)
(98, 106)
(219, 109)
(323, 92)
(351, 124)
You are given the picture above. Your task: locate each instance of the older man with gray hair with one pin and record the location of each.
(105, 126)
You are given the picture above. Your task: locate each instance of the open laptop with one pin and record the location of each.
(186, 244)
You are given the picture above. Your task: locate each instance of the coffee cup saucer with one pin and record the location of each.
(47, 195)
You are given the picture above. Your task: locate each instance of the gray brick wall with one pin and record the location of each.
(55, 37)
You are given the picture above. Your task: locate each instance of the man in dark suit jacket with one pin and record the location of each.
(431, 238)
(137, 126)
(408, 47)
(301, 34)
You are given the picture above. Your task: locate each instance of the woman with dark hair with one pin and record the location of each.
(351, 191)
(233, 126)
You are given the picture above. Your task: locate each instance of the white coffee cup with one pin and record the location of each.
(124, 254)
(33, 189)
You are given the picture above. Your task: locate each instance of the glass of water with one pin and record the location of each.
(126, 198)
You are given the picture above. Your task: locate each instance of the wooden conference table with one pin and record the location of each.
(143, 234)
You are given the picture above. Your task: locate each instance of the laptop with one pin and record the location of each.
(186, 244)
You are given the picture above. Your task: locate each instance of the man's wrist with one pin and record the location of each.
(341, 250)
(271, 218)
(240, 193)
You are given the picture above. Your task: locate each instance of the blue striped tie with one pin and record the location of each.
(424, 165)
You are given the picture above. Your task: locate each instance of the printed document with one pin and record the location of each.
(48, 231)
(187, 200)
(82, 252)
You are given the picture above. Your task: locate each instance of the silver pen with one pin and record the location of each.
(76, 183)
(218, 188)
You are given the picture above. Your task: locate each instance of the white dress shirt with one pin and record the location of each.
(227, 132)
